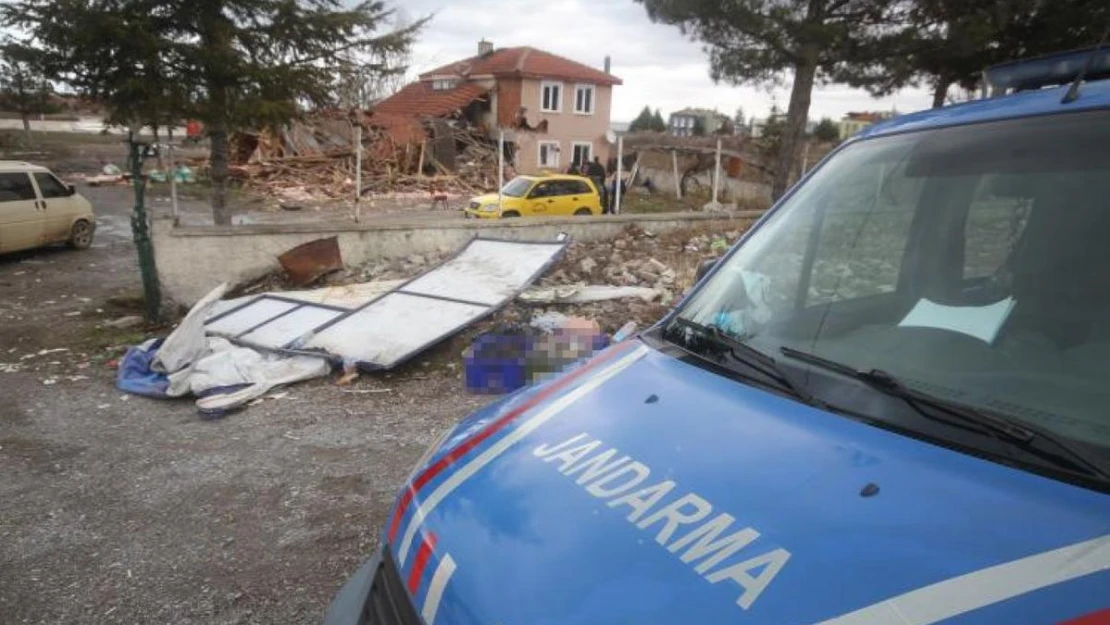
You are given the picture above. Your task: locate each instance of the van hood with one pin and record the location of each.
(643, 489)
(489, 198)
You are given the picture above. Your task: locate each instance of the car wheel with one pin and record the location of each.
(583, 212)
(81, 235)
(508, 214)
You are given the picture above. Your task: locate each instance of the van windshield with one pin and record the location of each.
(971, 263)
(517, 187)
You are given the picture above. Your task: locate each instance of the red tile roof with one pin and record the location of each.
(420, 100)
(401, 129)
(524, 62)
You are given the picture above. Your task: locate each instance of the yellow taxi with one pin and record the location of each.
(539, 196)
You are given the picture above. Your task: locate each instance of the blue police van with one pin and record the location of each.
(889, 403)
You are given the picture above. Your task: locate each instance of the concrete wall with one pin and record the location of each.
(732, 189)
(193, 260)
(564, 127)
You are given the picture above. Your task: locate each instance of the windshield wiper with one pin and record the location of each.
(1014, 431)
(749, 356)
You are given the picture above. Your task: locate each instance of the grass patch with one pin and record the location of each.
(104, 339)
(640, 203)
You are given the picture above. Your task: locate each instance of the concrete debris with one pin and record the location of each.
(582, 294)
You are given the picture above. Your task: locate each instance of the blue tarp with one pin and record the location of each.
(135, 375)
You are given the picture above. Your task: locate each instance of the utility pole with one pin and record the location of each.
(140, 227)
(358, 171)
(500, 170)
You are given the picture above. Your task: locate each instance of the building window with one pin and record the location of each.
(583, 152)
(551, 97)
(584, 99)
(549, 153)
(442, 84)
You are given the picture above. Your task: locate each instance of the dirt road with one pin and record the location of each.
(120, 509)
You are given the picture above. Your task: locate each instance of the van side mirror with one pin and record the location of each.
(704, 268)
(70, 190)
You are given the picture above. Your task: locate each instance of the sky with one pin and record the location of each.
(659, 66)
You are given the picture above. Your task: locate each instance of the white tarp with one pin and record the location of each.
(186, 343)
(383, 331)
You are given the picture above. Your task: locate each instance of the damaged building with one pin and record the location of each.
(554, 111)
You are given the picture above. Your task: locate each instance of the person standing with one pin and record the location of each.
(596, 173)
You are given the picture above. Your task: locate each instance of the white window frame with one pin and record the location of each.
(544, 85)
(443, 84)
(589, 150)
(539, 153)
(579, 88)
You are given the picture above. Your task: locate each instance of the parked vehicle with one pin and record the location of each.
(37, 209)
(887, 404)
(539, 196)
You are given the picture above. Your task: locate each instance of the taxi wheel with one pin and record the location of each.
(583, 212)
(508, 214)
(81, 235)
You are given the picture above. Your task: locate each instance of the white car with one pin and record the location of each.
(37, 209)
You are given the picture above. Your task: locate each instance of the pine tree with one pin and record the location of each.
(763, 41)
(229, 63)
(23, 84)
(642, 122)
(826, 130)
(657, 123)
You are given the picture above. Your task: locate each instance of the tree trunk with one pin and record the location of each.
(154, 130)
(218, 157)
(27, 128)
(796, 115)
(940, 91)
(217, 39)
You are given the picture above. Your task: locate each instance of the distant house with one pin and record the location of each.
(854, 122)
(554, 111)
(682, 123)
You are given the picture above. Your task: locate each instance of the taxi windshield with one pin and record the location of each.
(517, 187)
(971, 263)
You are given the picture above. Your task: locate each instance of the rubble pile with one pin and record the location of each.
(665, 262)
(315, 158)
(662, 264)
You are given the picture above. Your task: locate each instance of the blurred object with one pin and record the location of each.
(308, 262)
(504, 360)
(183, 175)
(495, 362)
(548, 322)
(575, 339)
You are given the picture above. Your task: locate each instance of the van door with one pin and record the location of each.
(21, 219)
(542, 199)
(57, 206)
(576, 195)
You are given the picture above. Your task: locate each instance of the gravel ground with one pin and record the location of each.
(120, 509)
